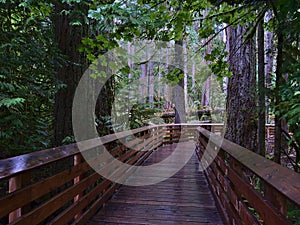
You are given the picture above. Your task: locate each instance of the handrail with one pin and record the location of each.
(70, 190)
(274, 174)
(14, 165)
(18, 164)
(242, 179)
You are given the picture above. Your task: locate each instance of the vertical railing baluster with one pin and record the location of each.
(77, 160)
(14, 184)
(276, 198)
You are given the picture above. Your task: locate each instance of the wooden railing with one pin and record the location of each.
(57, 186)
(248, 188)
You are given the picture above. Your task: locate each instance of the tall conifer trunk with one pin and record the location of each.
(278, 117)
(261, 91)
(269, 62)
(241, 104)
(180, 114)
(68, 38)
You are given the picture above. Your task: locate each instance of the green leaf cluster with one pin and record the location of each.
(28, 57)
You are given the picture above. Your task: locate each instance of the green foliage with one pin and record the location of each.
(27, 60)
(218, 63)
(173, 76)
(291, 104)
(287, 20)
(143, 114)
(12, 103)
(68, 140)
(294, 216)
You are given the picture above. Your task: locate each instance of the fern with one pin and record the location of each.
(12, 102)
(7, 87)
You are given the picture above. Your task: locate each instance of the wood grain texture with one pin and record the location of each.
(284, 180)
(232, 187)
(182, 199)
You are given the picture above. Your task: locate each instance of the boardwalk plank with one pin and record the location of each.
(185, 198)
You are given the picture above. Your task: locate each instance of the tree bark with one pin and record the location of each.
(143, 89)
(180, 114)
(241, 105)
(185, 71)
(167, 88)
(261, 91)
(278, 116)
(150, 82)
(269, 62)
(205, 98)
(104, 106)
(68, 39)
(130, 50)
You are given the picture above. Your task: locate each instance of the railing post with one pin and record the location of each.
(77, 160)
(207, 127)
(171, 135)
(276, 198)
(155, 140)
(14, 184)
(144, 135)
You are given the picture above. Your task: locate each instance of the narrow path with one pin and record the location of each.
(185, 198)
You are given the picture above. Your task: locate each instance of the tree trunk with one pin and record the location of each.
(269, 62)
(279, 82)
(130, 50)
(193, 74)
(104, 106)
(261, 92)
(241, 106)
(180, 114)
(167, 88)
(185, 71)
(68, 38)
(205, 98)
(150, 82)
(143, 89)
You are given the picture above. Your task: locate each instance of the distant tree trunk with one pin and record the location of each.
(130, 50)
(167, 90)
(143, 86)
(261, 91)
(185, 72)
(68, 38)
(269, 62)
(279, 82)
(151, 82)
(205, 98)
(193, 74)
(241, 105)
(160, 87)
(225, 79)
(180, 114)
(104, 106)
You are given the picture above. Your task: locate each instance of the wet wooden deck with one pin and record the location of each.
(185, 198)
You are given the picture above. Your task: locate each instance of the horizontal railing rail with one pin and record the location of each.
(57, 186)
(248, 188)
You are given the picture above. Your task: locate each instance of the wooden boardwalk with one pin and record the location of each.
(185, 198)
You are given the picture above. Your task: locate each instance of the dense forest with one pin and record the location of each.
(240, 59)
